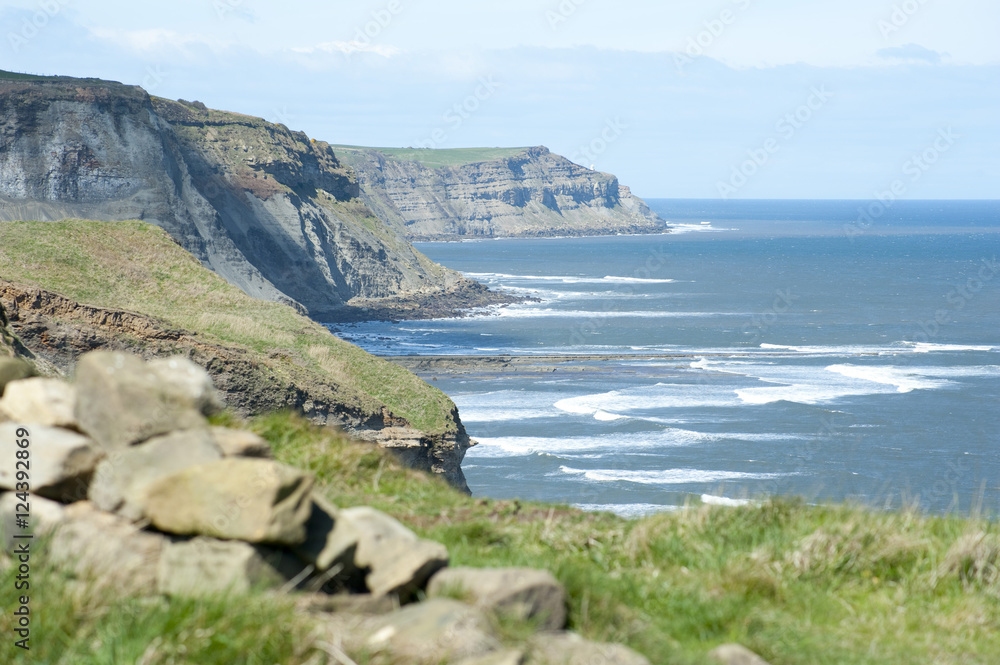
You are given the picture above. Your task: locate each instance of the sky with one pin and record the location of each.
(679, 99)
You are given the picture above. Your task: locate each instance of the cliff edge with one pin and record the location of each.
(526, 192)
(270, 210)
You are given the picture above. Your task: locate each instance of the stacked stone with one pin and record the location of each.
(134, 489)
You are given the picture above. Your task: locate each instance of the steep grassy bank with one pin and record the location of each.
(798, 584)
(136, 267)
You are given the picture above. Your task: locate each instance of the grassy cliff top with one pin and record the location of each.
(798, 584)
(137, 267)
(438, 158)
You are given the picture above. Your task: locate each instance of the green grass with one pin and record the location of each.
(439, 158)
(137, 267)
(799, 584)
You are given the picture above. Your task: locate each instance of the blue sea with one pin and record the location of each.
(833, 350)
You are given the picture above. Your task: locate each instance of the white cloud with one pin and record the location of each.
(347, 48)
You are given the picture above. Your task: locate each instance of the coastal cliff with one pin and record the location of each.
(433, 195)
(71, 287)
(270, 210)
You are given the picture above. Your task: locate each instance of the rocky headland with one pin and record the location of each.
(272, 211)
(529, 192)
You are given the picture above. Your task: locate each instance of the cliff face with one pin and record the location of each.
(533, 193)
(271, 211)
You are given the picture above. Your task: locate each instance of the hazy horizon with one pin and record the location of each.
(735, 99)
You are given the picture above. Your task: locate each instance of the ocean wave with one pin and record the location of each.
(927, 347)
(665, 477)
(903, 380)
(526, 311)
(567, 279)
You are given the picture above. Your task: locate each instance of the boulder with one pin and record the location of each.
(40, 401)
(505, 657)
(398, 562)
(240, 443)
(735, 654)
(14, 369)
(183, 376)
(107, 549)
(122, 480)
(567, 648)
(522, 593)
(61, 462)
(44, 516)
(436, 631)
(122, 400)
(328, 548)
(259, 501)
(202, 566)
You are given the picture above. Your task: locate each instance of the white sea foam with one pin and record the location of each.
(927, 347)
(665, 477)
(567, 279)
(627, 509)
(712, 500)
(635, 280)
(903, 380)
(527, 311)
(604, 416)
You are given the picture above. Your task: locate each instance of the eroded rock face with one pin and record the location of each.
(534, 193)
(271, 211)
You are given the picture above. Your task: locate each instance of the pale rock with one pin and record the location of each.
(106, 549)
(61, 463)
(522, 593)
(183, 376)
(40, 401)
(121, 400)
(326, 547)
(123, 478)
(566, 648)
(505, 657)
(436, 631)
(735, 654)
(203, 566)
(44, 516)
(256, 500)
(398, 562)
(240, 443)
